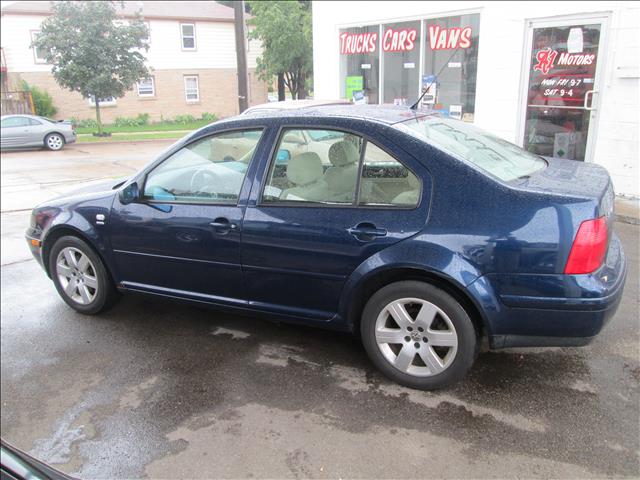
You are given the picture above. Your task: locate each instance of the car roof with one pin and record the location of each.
(28, 115)
(387, 114)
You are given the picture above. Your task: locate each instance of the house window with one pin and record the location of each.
(147, 87)
(39, 54)
(191, 90)
(188, 33)
(104, 102)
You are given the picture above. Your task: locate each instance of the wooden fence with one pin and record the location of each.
(12, 103)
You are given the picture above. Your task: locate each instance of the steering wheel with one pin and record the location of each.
(202, 181)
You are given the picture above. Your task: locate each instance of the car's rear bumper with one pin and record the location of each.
(555, 310)
(70, 137)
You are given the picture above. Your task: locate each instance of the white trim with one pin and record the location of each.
(153, 88)
(183, 36)
(36, 59)
(426, 16)
(108, 102)
(186, 93)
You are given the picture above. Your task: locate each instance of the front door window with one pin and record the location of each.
(210, 170)
(562, 74)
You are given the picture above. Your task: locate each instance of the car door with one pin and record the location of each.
(304, 234)
(182, 238)
(15, 131)
(36, 132)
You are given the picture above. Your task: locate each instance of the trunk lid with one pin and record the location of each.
(575, 181)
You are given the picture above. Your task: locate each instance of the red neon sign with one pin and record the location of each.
(399, 40)
(449, 38)
(352, 43)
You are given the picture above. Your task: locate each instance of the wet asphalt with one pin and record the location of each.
(162, 390)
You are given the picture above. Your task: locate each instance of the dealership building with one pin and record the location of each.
(561, 79)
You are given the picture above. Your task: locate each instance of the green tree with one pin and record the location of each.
(284, 28)
(42, 101)
(92, 53)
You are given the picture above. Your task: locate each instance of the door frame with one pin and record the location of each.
(604, 19)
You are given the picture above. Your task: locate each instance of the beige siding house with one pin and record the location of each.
(191, 55)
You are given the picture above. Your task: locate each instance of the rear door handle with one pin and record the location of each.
(367, 231)
(222, 225)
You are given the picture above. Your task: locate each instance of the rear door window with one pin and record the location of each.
(333, 167)
(314, 166)
(385, 181)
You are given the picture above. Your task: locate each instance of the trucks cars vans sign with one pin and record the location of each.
(404, 40)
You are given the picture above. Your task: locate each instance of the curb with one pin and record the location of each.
(627, 219)
(120, 142)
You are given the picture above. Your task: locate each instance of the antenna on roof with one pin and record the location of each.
(435, 77)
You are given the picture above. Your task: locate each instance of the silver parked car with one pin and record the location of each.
(21, 131)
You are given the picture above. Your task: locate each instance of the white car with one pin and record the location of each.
(292, 105)
(23, 131)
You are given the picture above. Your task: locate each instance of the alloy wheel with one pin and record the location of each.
(77, 275)
(54, 142)
(416, 337)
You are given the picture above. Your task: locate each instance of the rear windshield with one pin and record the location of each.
(489, 153)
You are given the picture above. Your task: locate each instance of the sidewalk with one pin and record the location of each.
(628, 210)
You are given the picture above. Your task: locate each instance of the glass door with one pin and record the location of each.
(561, 97)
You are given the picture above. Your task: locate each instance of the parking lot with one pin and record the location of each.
(165, 390)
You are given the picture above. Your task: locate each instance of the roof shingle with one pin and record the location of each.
(206, 11)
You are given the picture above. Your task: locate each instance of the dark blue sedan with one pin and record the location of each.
(423, 234)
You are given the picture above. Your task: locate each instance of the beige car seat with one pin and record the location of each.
(341, 176)
(306, 172)
(409, 197)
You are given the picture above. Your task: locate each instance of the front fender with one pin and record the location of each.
(81, 220)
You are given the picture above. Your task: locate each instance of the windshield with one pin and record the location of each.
(492, 154)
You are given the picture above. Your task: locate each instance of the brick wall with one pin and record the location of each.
(218, 94)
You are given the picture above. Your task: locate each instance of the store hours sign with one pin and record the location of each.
(561, 77)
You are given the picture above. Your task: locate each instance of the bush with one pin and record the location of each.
(209, 117)
(42, 101)
(87, 123)
(183, 119)
(137, 121)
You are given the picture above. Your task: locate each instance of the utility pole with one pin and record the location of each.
(241, 55)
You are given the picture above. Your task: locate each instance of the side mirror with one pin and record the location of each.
(130, 193)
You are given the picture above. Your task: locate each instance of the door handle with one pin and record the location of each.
(222, 225)
(586, 99)
(367, 231)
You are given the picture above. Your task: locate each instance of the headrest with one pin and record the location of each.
(305, 168)
(343, 153)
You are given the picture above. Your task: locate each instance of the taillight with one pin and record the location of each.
(589, 247)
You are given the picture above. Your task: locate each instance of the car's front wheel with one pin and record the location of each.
(418, 335)
(54, 141)
(80, 277)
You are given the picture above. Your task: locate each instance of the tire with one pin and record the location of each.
(80, 277)
(54, 141)
(430, 339)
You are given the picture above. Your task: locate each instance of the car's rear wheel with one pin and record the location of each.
(54, 141)
(80, 276)
(418, 335)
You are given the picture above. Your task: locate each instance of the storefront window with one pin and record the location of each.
(360, 64)
(450, 65)
(400, 44)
